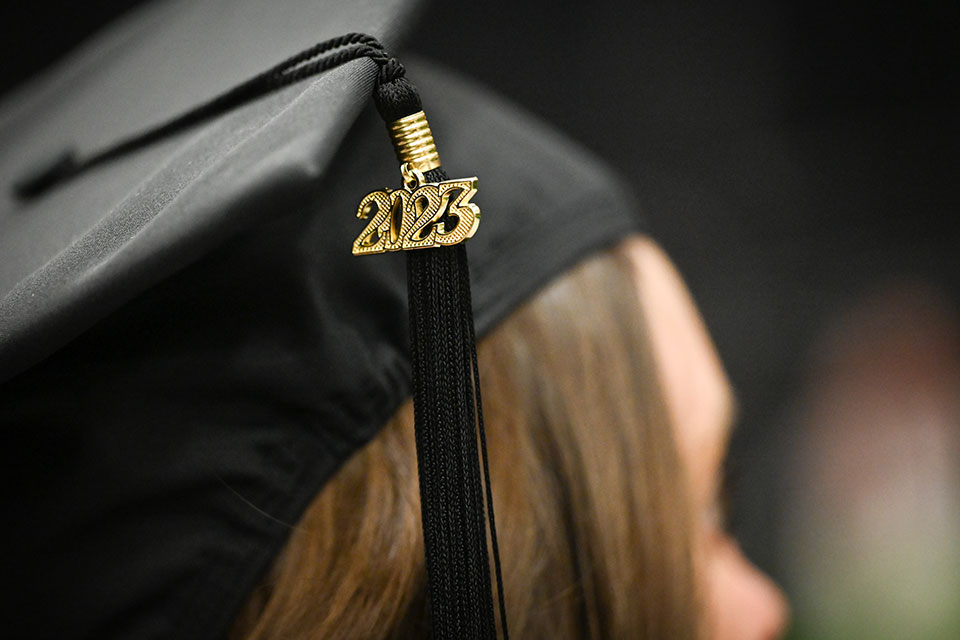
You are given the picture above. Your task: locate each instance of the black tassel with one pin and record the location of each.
(454, 525)
(448, 417)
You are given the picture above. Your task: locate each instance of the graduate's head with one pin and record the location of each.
(607, 417)
(739, 601)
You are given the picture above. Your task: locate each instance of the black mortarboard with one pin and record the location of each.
(188, 349)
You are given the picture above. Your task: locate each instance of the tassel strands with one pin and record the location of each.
(447, 412)
(450, 483)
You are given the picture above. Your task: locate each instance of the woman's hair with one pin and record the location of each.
(591, 504)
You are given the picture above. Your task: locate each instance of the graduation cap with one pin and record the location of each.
(189, 346)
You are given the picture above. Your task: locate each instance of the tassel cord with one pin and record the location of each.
(321, 57)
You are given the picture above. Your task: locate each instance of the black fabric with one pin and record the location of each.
(190, 350)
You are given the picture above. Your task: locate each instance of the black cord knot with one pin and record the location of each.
(396, 98)
(390, 70)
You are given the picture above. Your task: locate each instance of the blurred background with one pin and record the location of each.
(799, 161)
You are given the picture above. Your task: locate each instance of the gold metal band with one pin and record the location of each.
(413, 142)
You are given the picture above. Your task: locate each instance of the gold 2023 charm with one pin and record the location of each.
(421, 214)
